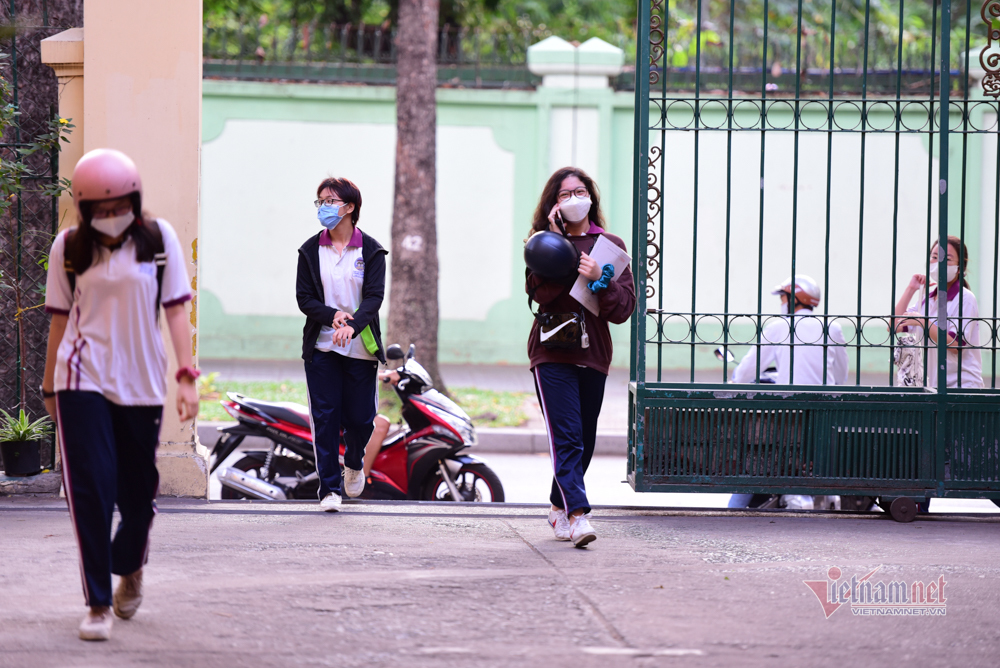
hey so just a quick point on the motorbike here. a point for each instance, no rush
(422, 460)
(793, 501)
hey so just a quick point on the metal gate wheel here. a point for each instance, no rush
(903, 509)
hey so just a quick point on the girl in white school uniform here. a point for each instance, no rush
(105, 373)
(965, 365)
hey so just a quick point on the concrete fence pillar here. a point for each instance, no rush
(136, 87)
(577, 98)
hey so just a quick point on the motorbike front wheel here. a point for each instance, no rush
(475, 482)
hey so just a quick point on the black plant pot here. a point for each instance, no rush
(21, 457)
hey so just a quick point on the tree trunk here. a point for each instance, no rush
(413, 297)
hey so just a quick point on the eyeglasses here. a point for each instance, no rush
(329, 201)
(580, 192)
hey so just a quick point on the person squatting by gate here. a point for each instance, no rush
(569, 347)
(340, 285)
(105, 373)
(817, 356)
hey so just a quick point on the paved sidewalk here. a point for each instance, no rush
(382, 584)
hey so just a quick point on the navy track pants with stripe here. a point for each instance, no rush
(108, 459)
(570, 397)
(343, 392)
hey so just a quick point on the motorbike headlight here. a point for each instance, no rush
(463, 427)
(419, 372)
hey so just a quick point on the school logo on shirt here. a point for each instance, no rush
(359, 268)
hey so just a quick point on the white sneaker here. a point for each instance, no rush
(97, 624)
(128, 595)
(330, 503)
(354, 482)
(559, 524)
(580, 531)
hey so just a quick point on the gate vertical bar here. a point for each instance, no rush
(643, 73)
(729, 194)
(942, 303)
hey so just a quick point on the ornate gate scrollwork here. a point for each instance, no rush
(991, 61)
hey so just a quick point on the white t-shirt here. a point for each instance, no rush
(972, 361)
(343, 276)
(775, 351)
(113, 343)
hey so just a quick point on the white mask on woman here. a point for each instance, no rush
(933, 273)
(575, 208)
(113, 226)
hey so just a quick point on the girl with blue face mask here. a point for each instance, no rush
(340, 285)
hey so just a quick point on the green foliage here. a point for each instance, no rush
(22, 429)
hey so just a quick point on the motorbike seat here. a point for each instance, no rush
(289, 412)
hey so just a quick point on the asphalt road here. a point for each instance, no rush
(259, 585)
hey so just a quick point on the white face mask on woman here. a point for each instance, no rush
(113, 226)
(575, 208)
(933, 273)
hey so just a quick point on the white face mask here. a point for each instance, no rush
(933, 273)
(113, 226)
(575, 209)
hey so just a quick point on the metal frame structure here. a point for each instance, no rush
(695, 433)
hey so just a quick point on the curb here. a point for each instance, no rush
(504, 440)
(43, 483)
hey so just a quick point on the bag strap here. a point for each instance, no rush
(159, 259)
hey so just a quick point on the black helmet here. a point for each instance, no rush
(551, 255)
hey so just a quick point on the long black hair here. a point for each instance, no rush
(82, 246)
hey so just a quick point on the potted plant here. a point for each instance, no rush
(20, 442)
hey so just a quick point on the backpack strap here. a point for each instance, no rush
(70, 274)
(159, 259)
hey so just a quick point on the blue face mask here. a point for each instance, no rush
(329, 216)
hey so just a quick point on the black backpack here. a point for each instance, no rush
(159, 259)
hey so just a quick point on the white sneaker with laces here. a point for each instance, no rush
(354, 482)
(97, 624)
(330, 503)
(559, 524)
(580, 531)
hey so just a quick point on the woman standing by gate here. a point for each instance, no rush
(965, 365)
(570, 374)
(340, 286)
(105, 373)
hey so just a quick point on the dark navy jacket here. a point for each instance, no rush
(309, 293)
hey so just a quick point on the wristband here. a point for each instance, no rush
(188, 371)
(46, 395)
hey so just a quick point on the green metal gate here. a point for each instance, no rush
(836, 142)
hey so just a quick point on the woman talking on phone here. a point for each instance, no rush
(570, 360)
(105, 373)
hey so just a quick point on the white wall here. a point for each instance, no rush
(259, 183)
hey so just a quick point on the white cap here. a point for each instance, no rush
(803, 284)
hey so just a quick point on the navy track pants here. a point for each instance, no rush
(343, 392)
(108, 459)
(570, 397)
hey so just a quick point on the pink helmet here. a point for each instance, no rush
(105, 173)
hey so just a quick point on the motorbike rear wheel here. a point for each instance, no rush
(250, 466)
(475, 482)
(282, 466)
